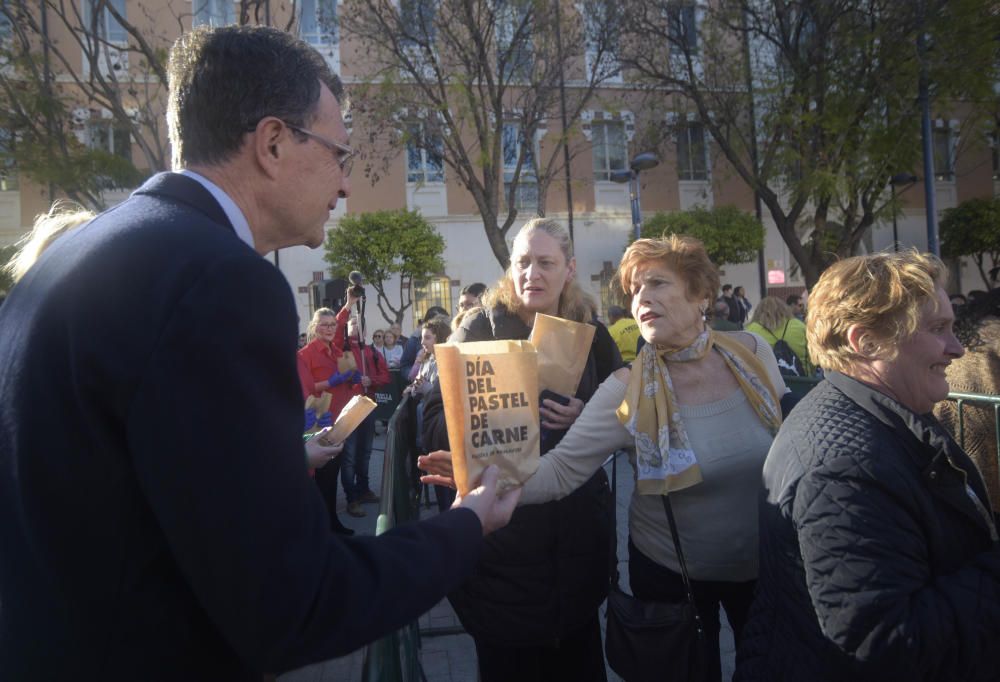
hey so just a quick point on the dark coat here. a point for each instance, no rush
(156, 518)
(875, 561)
(545, 574)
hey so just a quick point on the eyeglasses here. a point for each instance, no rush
(326, 325)
(376, 336)
(343, 153)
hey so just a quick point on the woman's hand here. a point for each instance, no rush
(421, 355)
(560, 417)
(438, 468)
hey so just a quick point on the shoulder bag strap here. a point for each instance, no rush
(613, 545)
(785, 329)
(680, 559)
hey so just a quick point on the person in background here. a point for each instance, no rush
(425, 373)
(156, 517)
(878, 547)
(377, 341)
(303, 340)
(471, 297)
(397, 330)
(320, 359)
(413, 344)
(794, 302)
(372, 372)
(624, 331)
(532, 607)
(773, 321)
(978, 371)
(700, 408)
(720, 317)
(61, 217)
(727, 298)
(391, 351)
(742, 307)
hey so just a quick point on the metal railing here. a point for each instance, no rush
(802, 385)
(395, 657)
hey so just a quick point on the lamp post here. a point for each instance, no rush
(904, 179)
(640, 162)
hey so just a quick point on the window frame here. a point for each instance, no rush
(604, 174)
(688, 172)
(324, 35)
(423, 175)
(526, 193)
(440, 286)
(209, 8)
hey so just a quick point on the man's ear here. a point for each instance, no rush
(269, 142)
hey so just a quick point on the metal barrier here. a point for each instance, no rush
(396, 657)
(802, 385)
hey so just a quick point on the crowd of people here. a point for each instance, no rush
(167, 523)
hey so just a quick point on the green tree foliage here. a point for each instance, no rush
(814, 103)
(382, 245)
(729, 234)
(973, 229)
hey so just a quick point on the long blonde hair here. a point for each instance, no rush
(61, 218)
(574, 303)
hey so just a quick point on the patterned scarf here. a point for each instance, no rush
(666, 462)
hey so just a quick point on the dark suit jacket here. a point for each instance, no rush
(156, 519)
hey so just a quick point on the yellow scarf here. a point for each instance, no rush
(665, 461)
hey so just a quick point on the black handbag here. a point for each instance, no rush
(649, 641)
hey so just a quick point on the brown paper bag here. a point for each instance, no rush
(346, 362)
(350, 418)
(563, 348)
(490, 394)
(320, 404)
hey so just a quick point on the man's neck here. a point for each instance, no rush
(237, 188)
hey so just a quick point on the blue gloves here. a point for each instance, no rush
(356, 377)
(310, 419)
(337, 378)
(325, 420)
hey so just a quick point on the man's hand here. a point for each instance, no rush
(438, 467)
(317, 454)
(366, 381)
(559, 417)
(492, 509)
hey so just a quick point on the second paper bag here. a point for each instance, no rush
(490, 394)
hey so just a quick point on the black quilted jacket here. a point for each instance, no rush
(876, 562)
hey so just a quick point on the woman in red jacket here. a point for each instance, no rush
(319, 360)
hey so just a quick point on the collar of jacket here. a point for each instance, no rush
(947, 470)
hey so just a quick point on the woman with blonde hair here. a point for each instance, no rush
(879, 551)
(319, 373)
(773, 320)
(532, 605)
(701, 408)
(61, 218)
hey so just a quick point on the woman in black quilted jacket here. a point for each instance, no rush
(879, 557)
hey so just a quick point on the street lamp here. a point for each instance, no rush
(904, 179)
(640, 162)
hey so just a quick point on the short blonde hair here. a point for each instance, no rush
(883, 293)
(61, 218)
(681, 253)
(574, 303)
(771, 313)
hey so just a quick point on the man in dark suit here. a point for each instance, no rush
(156, 519)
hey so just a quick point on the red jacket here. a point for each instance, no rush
(374, 367)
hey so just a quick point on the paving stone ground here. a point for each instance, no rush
(452, 657)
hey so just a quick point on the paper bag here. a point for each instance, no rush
(354, 412)
(346, 362)
(320, 404)
(490, 394)
(563, 348)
